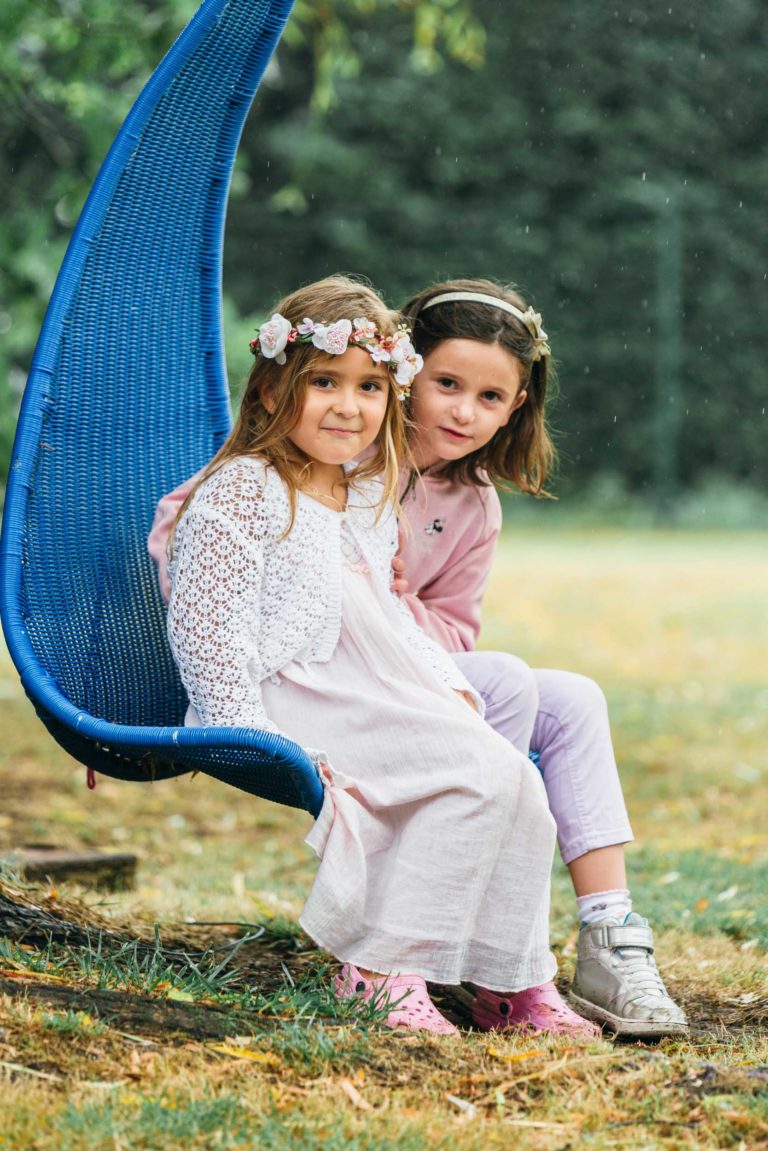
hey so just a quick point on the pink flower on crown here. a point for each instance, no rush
(273, 337)
(381, 351)
(364, 330)
(333, 338)
(306, 327)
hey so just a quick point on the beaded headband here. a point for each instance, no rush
(531, 319)
(397, 351)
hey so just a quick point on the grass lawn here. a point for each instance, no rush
(129, 1050)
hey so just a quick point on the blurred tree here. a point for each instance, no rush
(535, 171)
(69, 72)
(374, 148)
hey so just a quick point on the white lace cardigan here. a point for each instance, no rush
(245, 601)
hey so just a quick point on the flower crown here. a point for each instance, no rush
(397, 351)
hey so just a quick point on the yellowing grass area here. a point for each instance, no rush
(102, 1048)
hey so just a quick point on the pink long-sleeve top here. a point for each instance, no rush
(448, 539)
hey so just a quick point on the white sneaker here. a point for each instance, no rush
(617, 982)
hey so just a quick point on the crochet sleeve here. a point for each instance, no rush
(215, 606)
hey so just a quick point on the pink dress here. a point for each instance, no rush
(435, 842)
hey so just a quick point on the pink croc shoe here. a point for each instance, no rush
(535, 1009)
(412, 1008)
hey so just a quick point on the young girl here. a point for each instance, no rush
(478, 407)
(435, 838)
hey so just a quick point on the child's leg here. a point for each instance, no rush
(573, 737)
(572, 734)
(510, 692)
(565, 718)
(617, 981)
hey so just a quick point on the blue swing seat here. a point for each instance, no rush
(127, 396)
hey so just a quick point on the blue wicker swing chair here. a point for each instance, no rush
(127, 396)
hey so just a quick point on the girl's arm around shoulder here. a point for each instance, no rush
(157, 542)
(448, 606)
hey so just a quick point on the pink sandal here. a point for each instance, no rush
(535, 1009)
(413, 1009)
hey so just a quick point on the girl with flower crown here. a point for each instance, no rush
(434, 839)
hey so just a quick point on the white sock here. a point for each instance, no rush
(615, 904)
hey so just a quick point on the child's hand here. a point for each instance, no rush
(399, 583)
(468, 697)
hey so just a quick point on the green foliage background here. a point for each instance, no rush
(412, 139)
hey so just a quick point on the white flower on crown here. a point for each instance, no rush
(365, 329)
(273, 337)
(379, 354)
(332, 338)
(409, 362)
(306, 327)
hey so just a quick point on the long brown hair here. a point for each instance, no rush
(521, 453)
(266, 434)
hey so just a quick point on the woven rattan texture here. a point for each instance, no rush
(126, 396)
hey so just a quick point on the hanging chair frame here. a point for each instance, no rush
(256, 761)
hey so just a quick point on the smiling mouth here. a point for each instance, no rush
(343, 432)
(455, 435)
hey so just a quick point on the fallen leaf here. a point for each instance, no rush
(539, 1125)
(467, 1109)
(180, 996)
(264, 1057)
(354, 1095)
(516, 1057)
(141, 1063)
(37, 976)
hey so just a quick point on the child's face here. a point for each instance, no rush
(465, 392)
(344, 407)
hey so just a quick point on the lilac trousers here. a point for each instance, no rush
(564, 717)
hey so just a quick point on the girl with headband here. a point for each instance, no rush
(478, 406)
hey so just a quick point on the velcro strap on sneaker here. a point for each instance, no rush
(628, 935)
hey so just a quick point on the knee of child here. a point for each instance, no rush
(511, 784)
(512, 678)
(496, 786)
(581, 696)
(591, 695)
